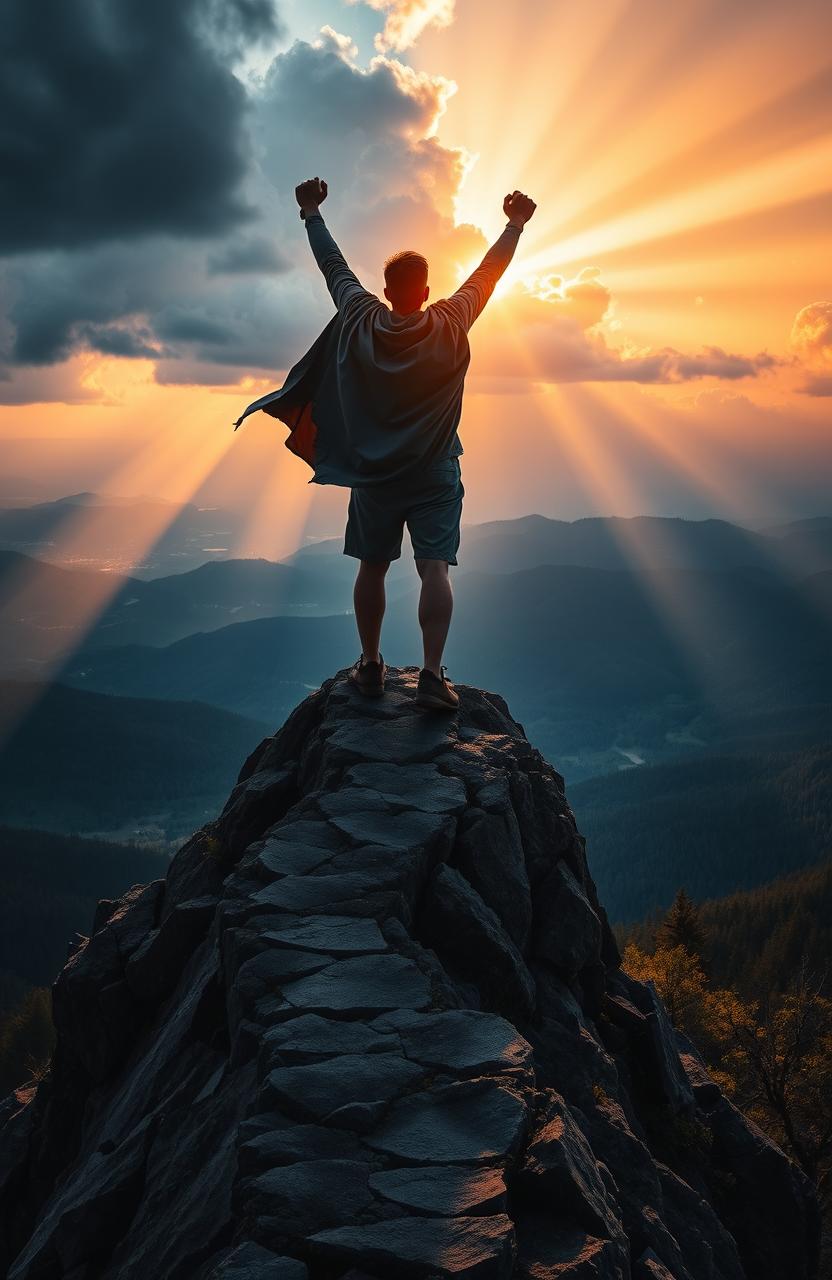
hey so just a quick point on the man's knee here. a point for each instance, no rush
(431, 568)
(375, 567)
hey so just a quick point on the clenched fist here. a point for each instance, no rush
(518, 207)
(310, 194)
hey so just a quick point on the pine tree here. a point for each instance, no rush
(682, 927)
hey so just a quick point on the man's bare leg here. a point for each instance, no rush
(436, 602)
(369, 601)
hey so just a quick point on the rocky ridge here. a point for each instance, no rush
(373, 1024)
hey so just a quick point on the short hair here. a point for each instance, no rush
(406, 272)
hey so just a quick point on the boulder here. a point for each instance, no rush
(472, 1123)
(469, 938)
(250, 1261)
(559, 1168)
(440, 1191)
(490, 856)
(481, 1248)
(567, 930)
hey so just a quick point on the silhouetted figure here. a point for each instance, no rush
(374, 405)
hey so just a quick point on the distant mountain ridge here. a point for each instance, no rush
(40, 601)
(589, 656)
(716, 824)
(153, 535)
(637, 542)
(83, 761)
(141, 531)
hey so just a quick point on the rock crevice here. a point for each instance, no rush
(373, 1024)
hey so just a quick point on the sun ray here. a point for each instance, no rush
(185, 449)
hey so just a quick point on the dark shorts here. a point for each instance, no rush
(430, 505)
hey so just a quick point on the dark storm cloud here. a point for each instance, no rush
(190, 326)
(241, 303)
(154, 295)
(122, 118)
(115, 340)
(255, 256)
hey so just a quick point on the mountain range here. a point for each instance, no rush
(595, 661)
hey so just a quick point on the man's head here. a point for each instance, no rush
(406, 281)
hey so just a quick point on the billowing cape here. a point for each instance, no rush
(293, 402)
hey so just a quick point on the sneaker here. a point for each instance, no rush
(436, 691)
(368, 677)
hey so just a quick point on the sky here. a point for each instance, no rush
(661, 343)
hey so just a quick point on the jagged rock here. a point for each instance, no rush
(441, 1191)
(361, 985)
(251, 1261)
(472, 1123)
(481, 1248)
(650, 1267)
(460, 1040)
(272, 859)
(373, 1025)
(315, 1090)
(560, 1168)
(252, 803)
(309, 1038)
(337, 935)
(89, 1215)
(154, 967)
(490, 854)
(655, 1044)
(287, 1144)
(569, 932)
(93, 1009)
(708, 1245)
(297, 1200)
(187, 1166)
(330, 893)
(548, 1247)
(469, 938)
(418, 786)
(704, 1087)
(765, 1191)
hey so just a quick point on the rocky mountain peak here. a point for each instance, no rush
(373, 1023)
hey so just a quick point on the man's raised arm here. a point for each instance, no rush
(343, 285)
(471, 296)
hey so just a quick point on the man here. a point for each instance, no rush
(374, 405)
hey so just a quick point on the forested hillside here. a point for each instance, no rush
(83, 762)
(755, 940)
(49, 885)
(714, 824)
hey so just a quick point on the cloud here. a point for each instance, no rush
(123, 119)
(583, 299)
(248, 299)
(252, 302)
(407, 19)
(811, 342)
(818, 386)
(368, 131)
(549, 340)
(254, 256)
